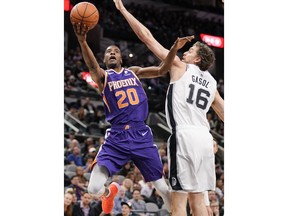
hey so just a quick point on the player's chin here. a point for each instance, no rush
(112, 65)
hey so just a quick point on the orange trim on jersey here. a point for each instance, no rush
(106, 103)
(105, 81)
(134, 75)
(93, 164)
(138, 80)
(104, 97)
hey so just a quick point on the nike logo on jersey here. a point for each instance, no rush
(143, 134)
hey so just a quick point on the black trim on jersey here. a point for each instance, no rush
(173, 179)
(170, 108)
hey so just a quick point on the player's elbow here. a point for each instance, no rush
(162, 71)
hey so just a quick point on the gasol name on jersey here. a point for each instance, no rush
(200, 81)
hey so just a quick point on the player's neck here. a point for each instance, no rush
(117, 69)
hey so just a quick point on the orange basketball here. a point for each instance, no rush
(85, 12)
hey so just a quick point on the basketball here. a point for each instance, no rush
(86, 13)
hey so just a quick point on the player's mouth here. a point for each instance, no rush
(112, 58)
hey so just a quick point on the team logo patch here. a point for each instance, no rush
(174, 181)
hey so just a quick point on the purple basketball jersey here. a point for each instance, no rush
(124, 97)
(129, 138)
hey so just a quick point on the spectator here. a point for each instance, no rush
(81, 115)
(131, 176)
(68, 205)
(80, 173)
(219, 188)
(75, 157)
(71, 137)
(119, 199)
(76, 187)
(72, 144)
(91, 109)
(88, 143)
(84, 207)
(213, 196)
(89, 161)
(126, 210)
(72, 84)
(215, 208)
(128, 185)
(137, 202)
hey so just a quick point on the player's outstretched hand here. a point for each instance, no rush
(180, 42)
(80, 30)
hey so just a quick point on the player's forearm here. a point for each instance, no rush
(140, 30)
(92, 64)
(149, 72)
(144, 34)
(88, 56)
(168, 61)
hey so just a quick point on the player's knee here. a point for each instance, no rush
(161, 186)
(96, 189)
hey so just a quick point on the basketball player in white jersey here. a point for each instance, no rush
(192, 91)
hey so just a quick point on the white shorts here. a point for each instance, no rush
(191, 159)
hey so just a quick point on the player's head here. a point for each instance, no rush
(201, 55)
(112, 57)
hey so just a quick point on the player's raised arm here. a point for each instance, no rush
(97, 73)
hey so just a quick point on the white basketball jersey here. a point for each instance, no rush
(189, 98)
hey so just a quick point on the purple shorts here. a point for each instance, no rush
(131, 142)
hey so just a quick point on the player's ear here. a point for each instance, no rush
(197, 59)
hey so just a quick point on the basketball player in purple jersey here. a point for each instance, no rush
(129, 138)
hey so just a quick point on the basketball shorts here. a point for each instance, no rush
(131, 142)
(191, 159)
